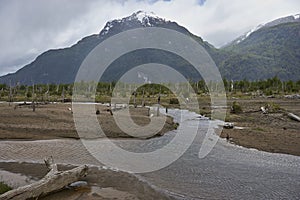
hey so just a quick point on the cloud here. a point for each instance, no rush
(31, 27)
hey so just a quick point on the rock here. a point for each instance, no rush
(78, 184)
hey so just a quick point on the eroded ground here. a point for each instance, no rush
(272, 132)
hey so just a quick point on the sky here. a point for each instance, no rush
(31, 27)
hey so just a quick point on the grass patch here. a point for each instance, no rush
(4, 188)
(259, 129)
(273, 107)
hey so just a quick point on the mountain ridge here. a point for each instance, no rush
(235, 61)
(282, 20)
(276, 47)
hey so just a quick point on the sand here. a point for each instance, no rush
(272, 132)
(54, 121)
(101, 184)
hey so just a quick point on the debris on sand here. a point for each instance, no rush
(294, 117)
(228, 125)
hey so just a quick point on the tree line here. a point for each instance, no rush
(62, 92)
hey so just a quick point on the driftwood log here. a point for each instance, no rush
(53, 181)
(294, 117)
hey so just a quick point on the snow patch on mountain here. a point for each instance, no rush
(253, 30)
(292, 18)
(142, 16)
(243, 37)
(146, 19)
(108, 26)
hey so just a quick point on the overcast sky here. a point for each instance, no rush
(31, 27)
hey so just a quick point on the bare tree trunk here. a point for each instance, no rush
(33, 98)
(10, 93)
(63, 94)
(158, 102)
(158, 105)
(143, 101)
(26, 92)
(134, 98)
(294, 117)
(53, 181)
(33, 106)
(47, 95)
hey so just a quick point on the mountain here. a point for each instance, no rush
(272, 49)
(268, 50)
(283, 20)
(61, 65)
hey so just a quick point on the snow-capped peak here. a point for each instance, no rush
(145, 19)
(107, 27)
(292, 18)
(141, 15)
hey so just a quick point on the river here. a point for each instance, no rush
(227, 172)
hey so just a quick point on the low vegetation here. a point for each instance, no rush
(236, 108)
(4, 188)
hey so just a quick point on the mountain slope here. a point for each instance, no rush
(267, 52)
(60, 66)
(283, 20)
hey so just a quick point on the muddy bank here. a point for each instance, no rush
(102, 183)
(272, 132)
(54, 121)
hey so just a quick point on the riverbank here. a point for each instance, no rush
(227, 172)
(101, 183)
(272, 131)
(54, 121)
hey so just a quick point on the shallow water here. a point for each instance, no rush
(231, 172)
(227, 172)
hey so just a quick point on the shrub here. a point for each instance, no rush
(273, 107)
(236, 108)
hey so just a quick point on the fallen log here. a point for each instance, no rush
(294, 117)
(53, 181)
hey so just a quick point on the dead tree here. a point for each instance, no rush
(10, 93)
(53, 181)
(134, 98)
(63, 94)
(47, 94)
(158, 105)
(1, 92)
(158, 102)
(33, 98)
(143, 100)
